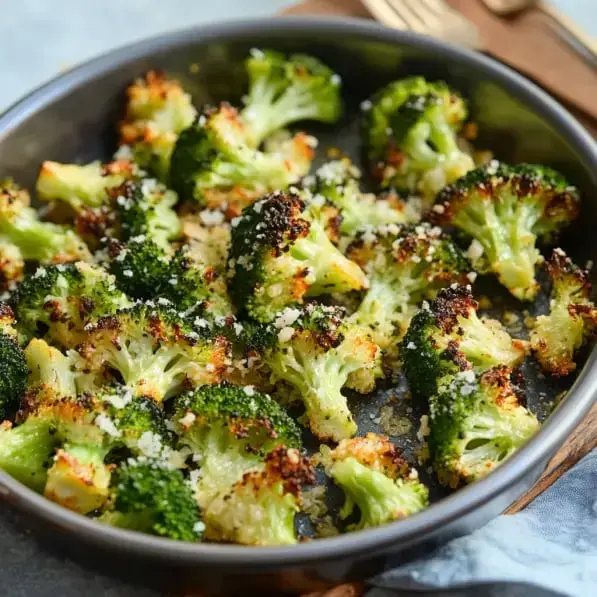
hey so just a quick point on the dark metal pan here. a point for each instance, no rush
(73, 117)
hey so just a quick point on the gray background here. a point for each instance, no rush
(38, 39)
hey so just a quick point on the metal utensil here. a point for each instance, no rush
(430, 17)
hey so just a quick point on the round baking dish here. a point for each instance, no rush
(72, 118)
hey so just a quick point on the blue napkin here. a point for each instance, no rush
(550, 548)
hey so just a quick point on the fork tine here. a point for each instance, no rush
(431, 17)
(426, 15)
(408, 15)
(439, 7)
(386, 14)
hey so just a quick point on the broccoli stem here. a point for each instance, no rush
(38, 241)
(331, 270)
(504, 228)
(487, 344)
(48, 367)
(253, 517)
(384, 307)
(25, 451)
(224, 461)
(79, 479)
(379, 498)
(319, 380)
(147, 371)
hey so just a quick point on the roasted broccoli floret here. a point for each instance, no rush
(213, 164)
(36, 240)
(157, 111)
(58, 301)
(280, 254)
(476, 423)
(404, 265)
(194, 288)
(230, 429)
(338, 182)
(284, 90)
(86, 186)
(411, 131)
(153, 498)
(77, 477)
(86, 428)
(146, 209)
(375, 479)
(139, 266)
(506, 210)
(13, 366)
(572, 318)
(259, 509)
(448, 336)
(318, 353)
(153, 351)
(12, 265)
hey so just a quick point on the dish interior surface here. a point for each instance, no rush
(74, 120)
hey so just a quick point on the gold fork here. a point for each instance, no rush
(430, 17)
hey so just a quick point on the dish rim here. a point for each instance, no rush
(552, 434)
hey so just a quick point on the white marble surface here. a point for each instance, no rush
(40, 37)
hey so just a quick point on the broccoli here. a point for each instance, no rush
(476, 423)
(140, 422)
(77, 478)
(259, 509)
(57, 301)
(284, 90)
(87, 428)
(36, 240)
(230, 429)
(572, 318)
(280, 254)
(155, 353)
(506, 210)
(145, 209)
(404, 265)
(51, 373)
(12, 265)
(318, 353)
(213, 164)
(194, 288)
(26, 450)
(338, 182)
(139, 266)
(375, 479)
(208, 245)
(152, 497)
(448, 336)
(410, 130)
(157, 111)
(84, 186)
(13, 365)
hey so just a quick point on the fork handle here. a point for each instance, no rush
(566, 23)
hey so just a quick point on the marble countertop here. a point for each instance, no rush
(39, 38)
